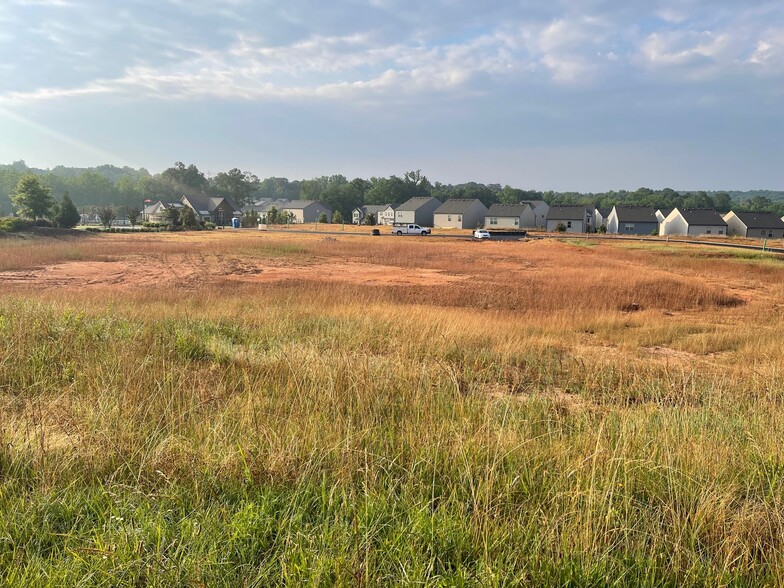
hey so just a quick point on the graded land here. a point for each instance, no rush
(238, 408)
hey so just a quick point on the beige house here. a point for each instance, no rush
(218, 209)
(361, 213)
(510, 216)
(762, 225)
(460, 213)
(306, 211)
(387, 215)
(157, 212)
(418, 210)
(693, 223)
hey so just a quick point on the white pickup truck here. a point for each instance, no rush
(405, 229)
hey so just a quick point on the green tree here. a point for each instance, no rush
(180, 178)
(188, 217)
(272, 215)
(107, 215)
(173, 216)
(250, 219)
(31, 198)
(236, 184)
(133, 215)
(371, 219)
(322, 217)
(67, 214)
(337, 218)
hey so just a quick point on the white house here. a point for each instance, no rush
(575, 219)
(693, 223)
(632, 220)
(387, 215)
(460, 213)
(360, 213)
(600, 216)
(763, 225)
(510, 216)
(662, 213)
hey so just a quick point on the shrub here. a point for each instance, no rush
(42, 222)
(209, 225)
(12, 224)
(560, 227)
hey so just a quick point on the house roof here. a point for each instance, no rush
(604, 212)
(301, 204)
(413, 204)
(567, 213)
(535, 203)
(760, 220)
(206, 204)
(457, 205)
(636, 214)
(665, 211)
(372, 208)
(702, 216)
(508, 210)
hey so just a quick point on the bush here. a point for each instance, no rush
(12, 224)
(560, 227)
(209, 225)
(42, 222)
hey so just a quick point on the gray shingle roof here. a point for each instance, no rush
(605, 212)
(301, 204)
(508, 210)
(416, 203)
(702, 216)
(760, 220)
(567, 213)
(636, 214)
(457, 205)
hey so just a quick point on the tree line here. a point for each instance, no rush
(109, 186)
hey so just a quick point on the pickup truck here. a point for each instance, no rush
(403, 229)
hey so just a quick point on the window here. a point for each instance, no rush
(460, 218)
(721, 231)
(449, 217)
(493, 220)
(517, 222)
(762, 232)
(708, 232)
(628, 227)
(568, 224)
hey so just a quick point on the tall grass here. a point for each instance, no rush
(275, 435)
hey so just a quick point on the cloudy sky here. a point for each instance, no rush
(566, 94)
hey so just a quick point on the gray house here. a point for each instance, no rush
(632, 220)
(510, 216)
(360, 213)
(575, 219)
(307, 211)
(763, 225)
(540, 208)
(219, 210)
(418, 210)
(263, 206)
(460, 213)
(693, 222)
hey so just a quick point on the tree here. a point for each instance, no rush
(371, 219)
(337, 218)
(272, 215)
(179, 179)
(107, 215)
(237, 184)
(173, 216)
(133, 215)
(67, 214)
(322, 217)
(188, 217)
(31, 198)
(250, 219)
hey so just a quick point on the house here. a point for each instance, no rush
(575, 219)
(157, 212)
(510, 216)
(460, 213)
(632, 220)
(662, 213)
(418, 210)
(360, 213)
(540, 208)
(693, 222)
(307, 211)
(600, 216)
(218, 209)
(765, 225)
(263, 206)
(387, 216)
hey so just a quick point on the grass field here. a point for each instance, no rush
(248, 409)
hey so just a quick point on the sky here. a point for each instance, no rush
(585, 95)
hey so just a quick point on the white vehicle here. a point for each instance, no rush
(481, 234)
(404, 229)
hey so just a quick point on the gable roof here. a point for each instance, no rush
(301, 204)
(702, 216)
(372, 208)
(508, 210)
(665, 212)
(568, 213)
(458, 205)
(760, 220)
(636, 214)
(604, 212)
(413, 204)
(207, 204)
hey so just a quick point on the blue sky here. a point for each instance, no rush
(568, 95)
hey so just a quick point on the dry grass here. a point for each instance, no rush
(515, 426)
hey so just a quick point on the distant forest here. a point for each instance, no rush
(108, 185)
